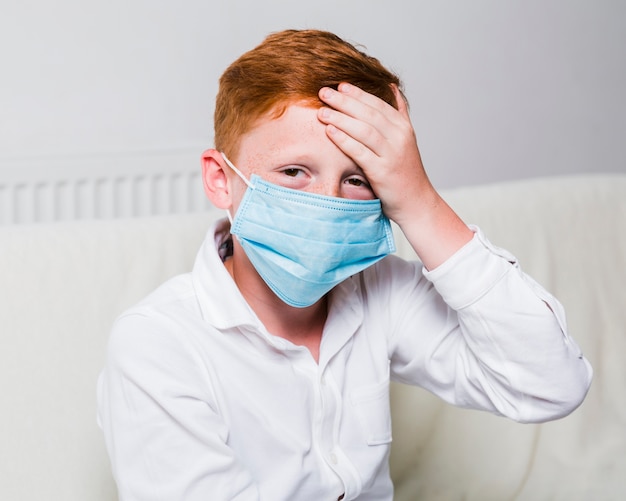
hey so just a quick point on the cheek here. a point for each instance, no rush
(238, 190)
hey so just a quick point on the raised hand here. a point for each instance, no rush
(381, 140)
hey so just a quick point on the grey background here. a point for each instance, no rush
(498, 89)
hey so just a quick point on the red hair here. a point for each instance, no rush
(287, 67)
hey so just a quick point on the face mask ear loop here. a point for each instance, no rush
(239, 173)
(236, 170)
(230, 218)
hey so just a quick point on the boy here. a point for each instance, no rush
(264, 373)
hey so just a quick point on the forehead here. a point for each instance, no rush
(293, 134)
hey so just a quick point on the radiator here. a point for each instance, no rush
(104, 186)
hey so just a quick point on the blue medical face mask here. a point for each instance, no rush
(303, 244)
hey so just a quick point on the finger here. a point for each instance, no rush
(352, 91)
(362, 155)
(354, 102)
(403, 105)
(368, 134)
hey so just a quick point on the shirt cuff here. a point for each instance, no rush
(470, 272)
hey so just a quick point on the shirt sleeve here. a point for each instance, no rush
(480, 333)
(162, 426)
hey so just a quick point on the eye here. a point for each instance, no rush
(292, 171)
(357, 187)
(358, 182)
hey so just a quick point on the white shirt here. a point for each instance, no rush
(199, 402)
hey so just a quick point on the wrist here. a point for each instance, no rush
(433, 229)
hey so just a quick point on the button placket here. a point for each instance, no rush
(334, 456)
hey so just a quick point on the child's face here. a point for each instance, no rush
(294, 151)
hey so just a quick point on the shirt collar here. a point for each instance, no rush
(221, 303)
(224, 307)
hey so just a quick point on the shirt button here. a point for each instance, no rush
(333, 458)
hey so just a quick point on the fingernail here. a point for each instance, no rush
(345, 88)
(325, 113)
(326, 93)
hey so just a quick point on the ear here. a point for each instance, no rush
(215, 180)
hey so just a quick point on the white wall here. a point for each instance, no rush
(499, 89)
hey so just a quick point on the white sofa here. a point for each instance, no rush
(61, 286)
